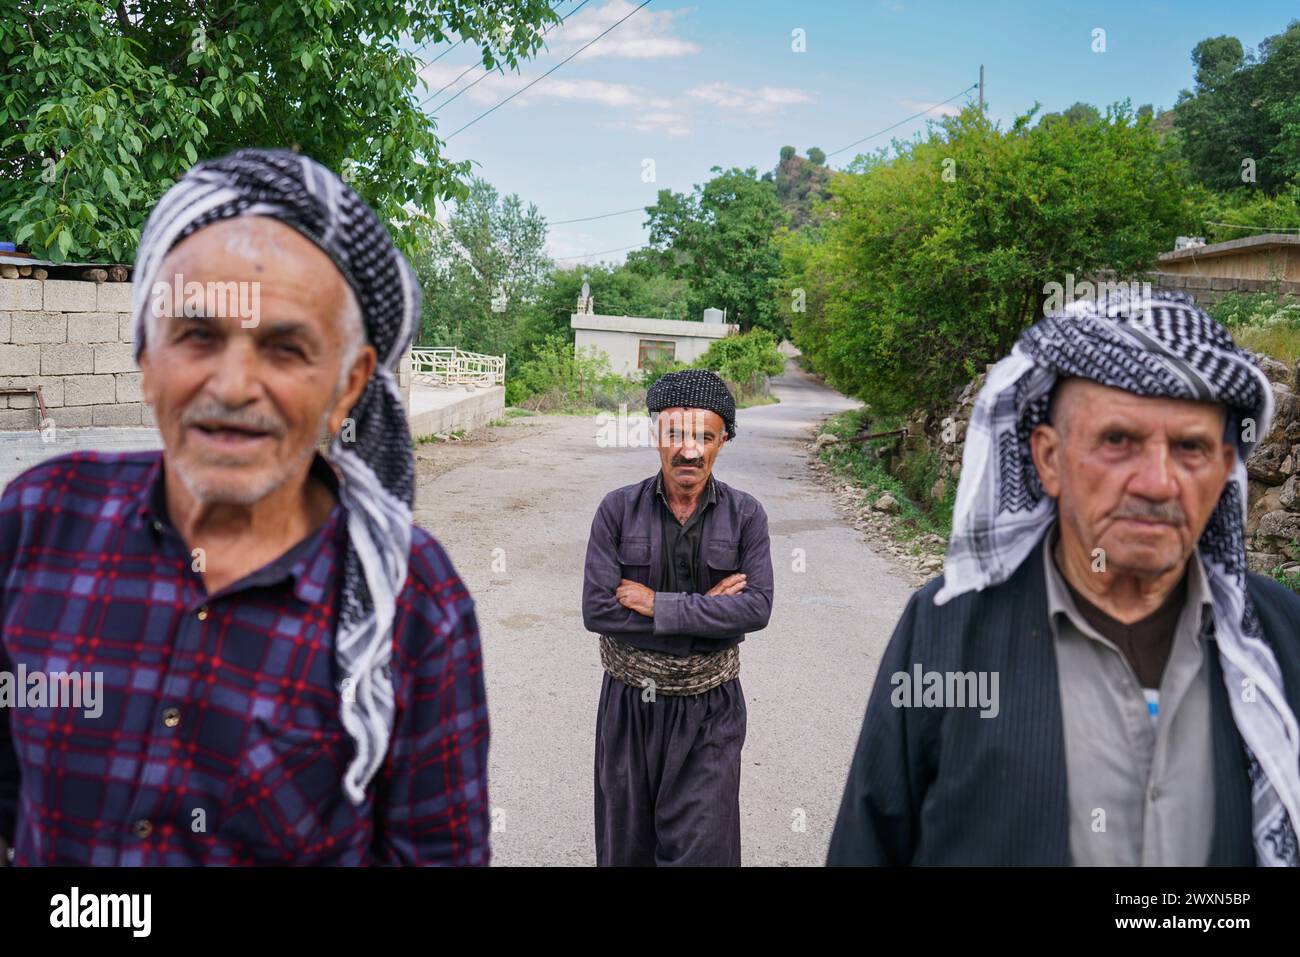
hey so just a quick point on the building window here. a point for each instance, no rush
(653, 351)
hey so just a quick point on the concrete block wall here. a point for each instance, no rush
(469, 411)
(1208, 290)
(73, 339)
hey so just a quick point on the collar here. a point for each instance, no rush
(1060, 602)
(149, 509)
(710, 491)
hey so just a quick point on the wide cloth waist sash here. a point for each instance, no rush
(668, 674)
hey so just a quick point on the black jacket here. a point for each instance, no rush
(945, 786)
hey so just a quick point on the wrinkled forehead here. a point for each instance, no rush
(694, 421)
(1085, 401)
(267, 264)
(260, 240)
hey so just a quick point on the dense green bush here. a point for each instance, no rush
(929, 263)
(1247, 212)
(558, 380)
(1260, 310)
(745, 361)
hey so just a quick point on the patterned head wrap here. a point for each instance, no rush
(694, 389)
(378, 468)
(1159, 346)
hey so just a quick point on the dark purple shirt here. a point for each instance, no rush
(626, 541)
(219, 739)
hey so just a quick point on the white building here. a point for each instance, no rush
(632, 342)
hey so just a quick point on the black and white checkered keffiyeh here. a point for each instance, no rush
(694, 389)
(1159, 346)
(377, 466)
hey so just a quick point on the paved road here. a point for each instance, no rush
(805, 677)
(532, 494)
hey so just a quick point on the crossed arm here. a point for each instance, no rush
(614, 605)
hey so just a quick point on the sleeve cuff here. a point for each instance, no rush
(668, 612)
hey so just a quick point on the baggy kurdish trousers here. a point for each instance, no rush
(668, 776)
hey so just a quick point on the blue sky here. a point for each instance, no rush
(688, 86)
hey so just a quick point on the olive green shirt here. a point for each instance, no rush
(1141, 788)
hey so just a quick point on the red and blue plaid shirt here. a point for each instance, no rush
(219, 738)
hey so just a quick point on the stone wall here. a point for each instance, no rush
(73, 339)
(1208, 290)
(1273, 470)
(1273, 521)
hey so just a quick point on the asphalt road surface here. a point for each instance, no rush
(515, 514)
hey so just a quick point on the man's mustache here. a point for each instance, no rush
(678, 461)
(1169, 512)
(212, 412)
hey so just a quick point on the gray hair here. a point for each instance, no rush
(353, 331)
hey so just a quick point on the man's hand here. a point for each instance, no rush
(731, 585)
(637, 597)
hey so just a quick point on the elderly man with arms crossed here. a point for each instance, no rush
(678, 568)
(291, 669)
(1149, 684)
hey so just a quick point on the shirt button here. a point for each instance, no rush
(1155, 794)
(172, 717)
(143, 829)
(203, 613)
(157, 526)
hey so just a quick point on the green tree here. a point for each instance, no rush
(933, 261)
(482, 272)
(800, 185)
(617, 291)
(720, 240)
(745, 361)
(1077, 113)
(1244, 107)
(104, 105)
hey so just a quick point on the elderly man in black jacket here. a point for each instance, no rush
(1147, 684)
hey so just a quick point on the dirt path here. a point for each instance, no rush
(514, 505)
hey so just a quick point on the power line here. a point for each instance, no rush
(468, 69)
(449, 49)
(587, 219)
(488, 73)
(901, 122)
(440, 55)
(604, 33)
(600, 253)
(636, 209)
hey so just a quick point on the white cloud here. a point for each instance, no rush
(915, 106)
(666, 123)
(485, 91)
(764, 99)
(646, 35)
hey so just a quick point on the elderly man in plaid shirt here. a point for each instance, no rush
(290, 670)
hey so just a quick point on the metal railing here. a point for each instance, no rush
(451, 366)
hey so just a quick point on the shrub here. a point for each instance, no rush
(1259, 310)
(929, 263)
(745, 361)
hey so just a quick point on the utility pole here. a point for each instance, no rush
(981, 89)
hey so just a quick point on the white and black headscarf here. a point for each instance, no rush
(1159, 346)
(377, 466)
